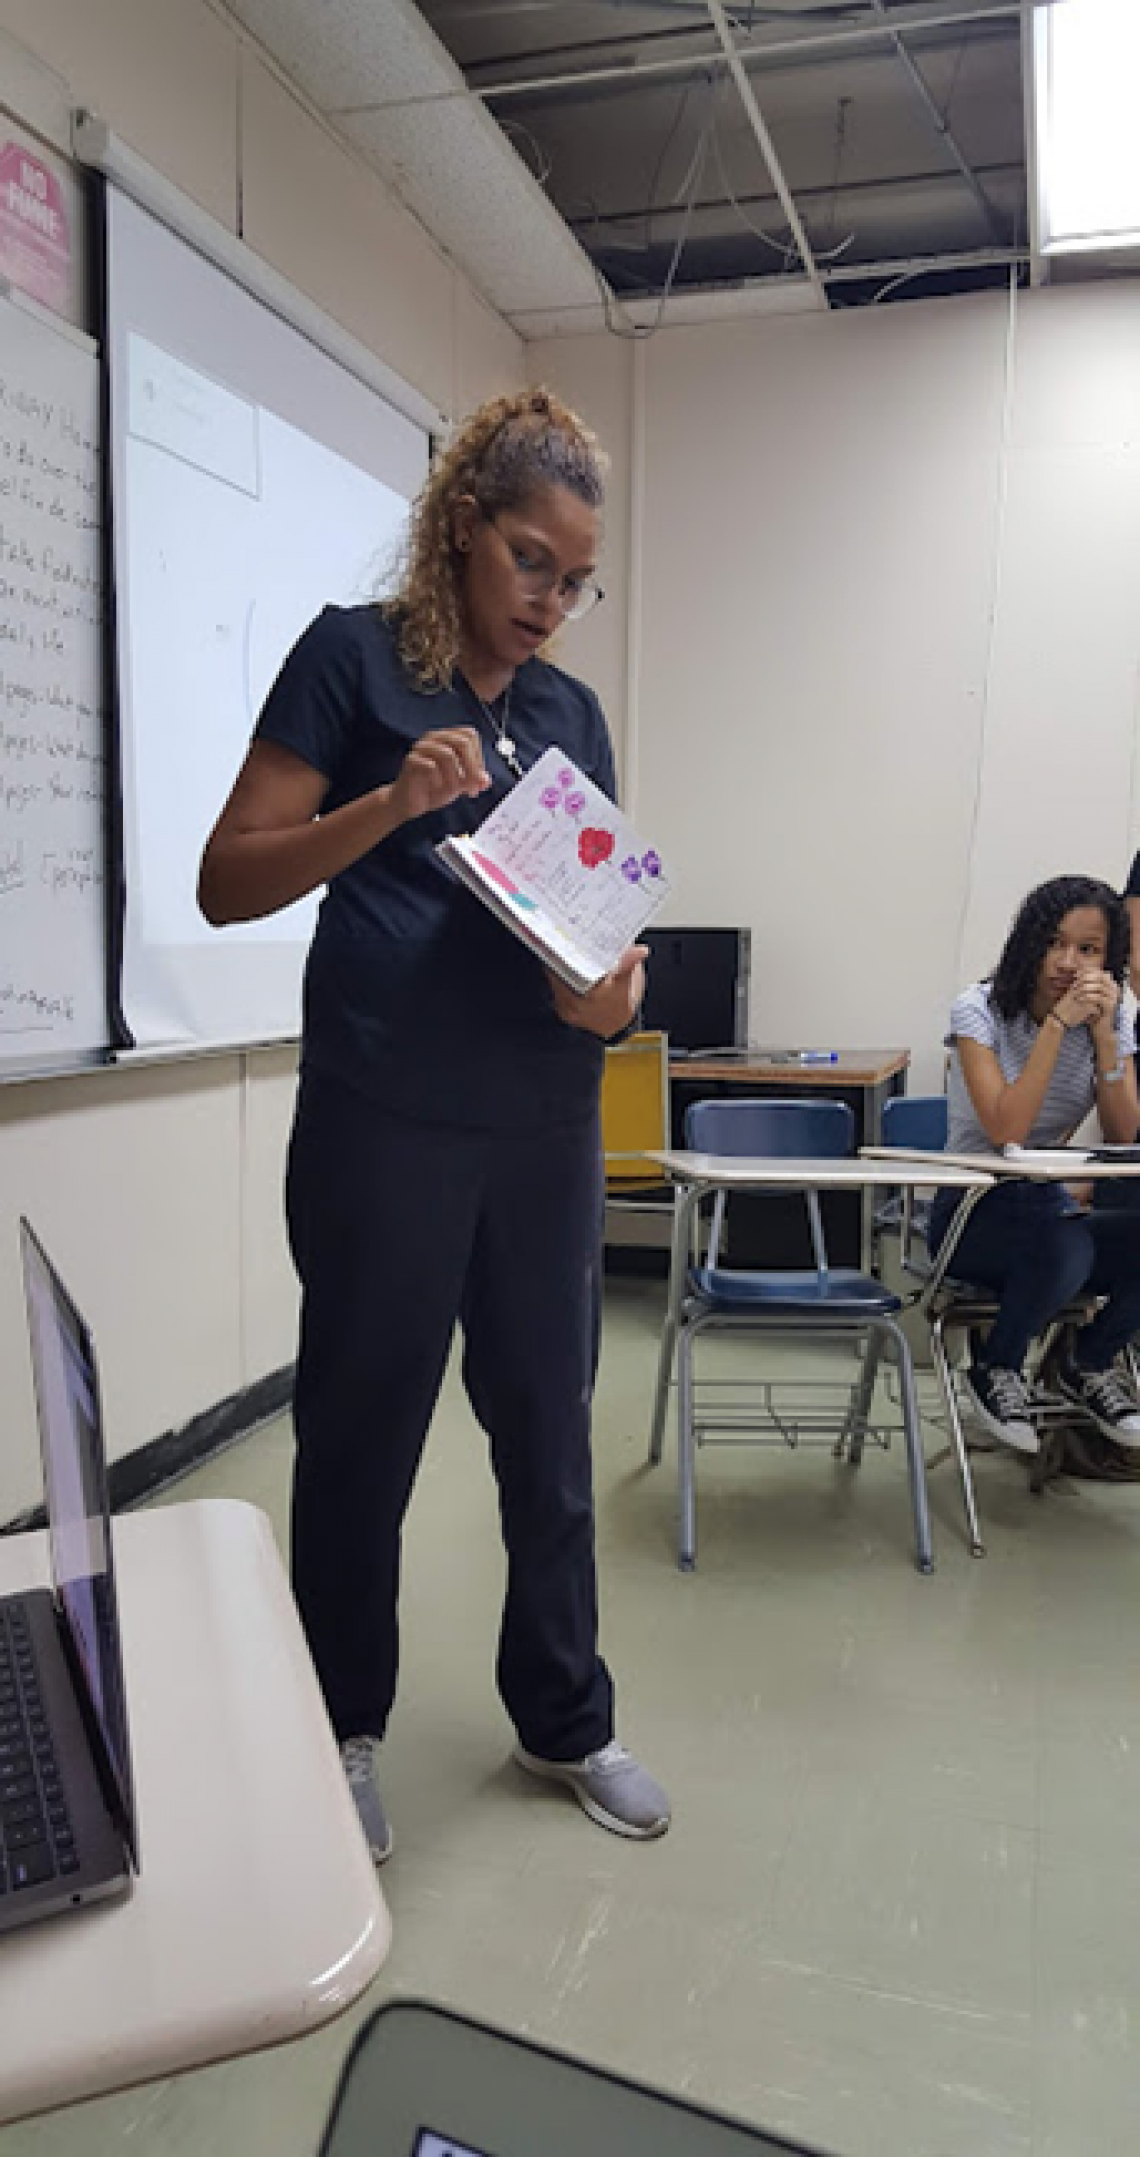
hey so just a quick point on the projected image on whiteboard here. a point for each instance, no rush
(240, 528)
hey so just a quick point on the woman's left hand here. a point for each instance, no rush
(612, 1003)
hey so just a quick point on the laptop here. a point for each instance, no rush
(68, 1830)
(423, 2081)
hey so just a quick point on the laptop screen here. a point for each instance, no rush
(79, 1524)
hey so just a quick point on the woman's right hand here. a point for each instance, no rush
(273, 843)
(438, 769)
(1091, 1000)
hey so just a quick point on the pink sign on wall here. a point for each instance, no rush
(35, 242)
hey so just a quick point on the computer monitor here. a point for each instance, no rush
(697, 986)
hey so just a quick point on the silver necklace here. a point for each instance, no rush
(504, 746)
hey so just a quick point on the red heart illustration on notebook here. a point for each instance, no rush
(594, 846)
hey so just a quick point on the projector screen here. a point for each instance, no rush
(253, 479)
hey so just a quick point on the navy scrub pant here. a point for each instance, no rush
(1038, 1251)
(398, 1230)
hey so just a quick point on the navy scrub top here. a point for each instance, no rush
(414, 993)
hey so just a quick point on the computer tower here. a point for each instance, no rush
(697, 986)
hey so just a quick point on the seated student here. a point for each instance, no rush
(1033, 1049)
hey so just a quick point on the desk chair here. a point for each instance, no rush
(949, 1305)
(822, 1301)
(919, 1121)
(636, 1121)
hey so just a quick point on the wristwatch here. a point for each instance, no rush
(1113, 1077)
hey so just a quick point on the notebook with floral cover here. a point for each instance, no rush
(563, 869)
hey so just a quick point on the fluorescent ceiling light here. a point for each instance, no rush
(1086, 76)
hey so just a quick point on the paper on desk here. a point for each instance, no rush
(1047, 1156)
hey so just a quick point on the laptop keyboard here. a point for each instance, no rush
(36, 1839)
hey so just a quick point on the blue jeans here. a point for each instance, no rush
(1030, 1244)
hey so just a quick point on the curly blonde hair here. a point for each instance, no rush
(500, 455)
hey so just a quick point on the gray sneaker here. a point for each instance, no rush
(358, 1756)
(611, 1786)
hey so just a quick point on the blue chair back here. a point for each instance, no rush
(919, 1120)
(782, 1130)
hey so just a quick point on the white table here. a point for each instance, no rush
(256, 1914)
(698, 1174)
(1046, 1167)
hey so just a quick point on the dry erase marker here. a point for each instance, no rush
(819, 1056)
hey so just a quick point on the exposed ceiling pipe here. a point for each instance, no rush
(756, 121)
(818, 46)
(941, 124)
(853, 196)
(984, 258)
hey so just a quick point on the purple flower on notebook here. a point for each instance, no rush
(550, 798)
(651, 863)
(575, 803)
(631, 869)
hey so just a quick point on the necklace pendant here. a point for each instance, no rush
(506, 748)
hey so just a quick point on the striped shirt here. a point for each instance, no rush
(1071, 1091)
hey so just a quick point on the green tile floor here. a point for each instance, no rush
(898, 1913)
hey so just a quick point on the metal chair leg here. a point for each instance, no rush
(661, 1396)
(912, 1431)
(850, 1439)
(684, 1220)
(686, 1457)
(957, 1435)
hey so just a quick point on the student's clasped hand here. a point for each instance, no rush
(438, 768)
(612, 1003)
(1091, 1001)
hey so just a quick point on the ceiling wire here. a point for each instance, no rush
(959, 57)
(909, 276)
(786, 249)
(543, 165)
(842, 108)
(662, 154)
(933, 268)
(611, 302)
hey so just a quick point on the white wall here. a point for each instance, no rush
(884, 587)
(159, 1191)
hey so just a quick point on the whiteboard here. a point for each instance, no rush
(53, 997)
(254, 478)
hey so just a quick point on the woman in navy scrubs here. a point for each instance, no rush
(445, 1162)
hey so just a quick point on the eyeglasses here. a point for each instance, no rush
(573, 595)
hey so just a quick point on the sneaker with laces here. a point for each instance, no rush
(998, 1401)
(611, 1786)
(358, 1757)
(1103, 1396)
